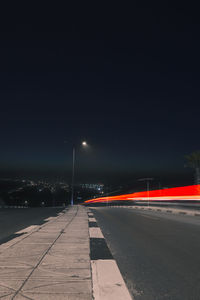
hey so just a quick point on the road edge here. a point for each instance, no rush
(107, 281)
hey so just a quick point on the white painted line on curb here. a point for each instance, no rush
(92, 219)
(107, 281)
(49, 219)
(27, 229)
(95, 232)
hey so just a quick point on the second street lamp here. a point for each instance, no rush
(84, 144)
(147, 181)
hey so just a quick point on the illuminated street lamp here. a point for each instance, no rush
(84, 144)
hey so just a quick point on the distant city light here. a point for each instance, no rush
(84, 143)
(92, 186)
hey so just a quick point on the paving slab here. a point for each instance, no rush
(68, 251)
(62, 274)
(24, 250)
(50, 296)
(70, 246)
(12, 284)
(10, 271)
(56, 286)
(5, 291)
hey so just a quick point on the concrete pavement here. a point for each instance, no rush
(51, 261)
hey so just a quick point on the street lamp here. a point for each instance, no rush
(84, 144)
(147, 180)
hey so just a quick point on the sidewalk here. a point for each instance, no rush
(50, 261)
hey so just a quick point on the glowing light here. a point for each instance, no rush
(84, 143)
(184, 193)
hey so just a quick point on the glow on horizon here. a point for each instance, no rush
(184, 193)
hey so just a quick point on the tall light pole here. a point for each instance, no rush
(73, 171)
(148, 181)
(84, 144)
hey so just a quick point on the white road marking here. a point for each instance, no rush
(95, 232)
(107, 281)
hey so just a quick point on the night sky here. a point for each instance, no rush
(126, 79)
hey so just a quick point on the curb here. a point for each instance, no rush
(107, 280)
(162, 209)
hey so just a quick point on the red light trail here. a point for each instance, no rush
(184, 193)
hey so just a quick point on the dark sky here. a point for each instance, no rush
(126, 79)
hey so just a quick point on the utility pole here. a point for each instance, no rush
(84, 144)
(73, 173)
(148, 183)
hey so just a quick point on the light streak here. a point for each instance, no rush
(184, 193)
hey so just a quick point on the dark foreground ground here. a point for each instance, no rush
(15, 219)
(158, 254)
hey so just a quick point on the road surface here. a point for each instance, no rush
(158, 254)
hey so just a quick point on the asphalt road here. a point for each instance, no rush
(158, 254)
(15, 219)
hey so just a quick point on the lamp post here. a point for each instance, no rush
(84, 144)
(148, 181)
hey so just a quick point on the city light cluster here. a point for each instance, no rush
(185, 193)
